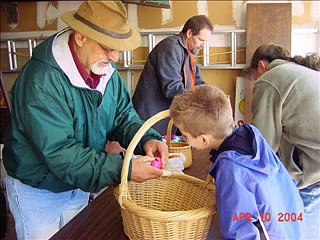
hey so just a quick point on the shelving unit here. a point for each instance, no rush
(231, 39)
(150, 38)
(234, 39)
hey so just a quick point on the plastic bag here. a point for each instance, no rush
(176, 162)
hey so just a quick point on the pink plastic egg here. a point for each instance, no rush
(157, 163)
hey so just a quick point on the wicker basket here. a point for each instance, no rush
(179, 147)
(174, 207)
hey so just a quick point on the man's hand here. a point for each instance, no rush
(113, 147)
(155, 148)
(143, 171)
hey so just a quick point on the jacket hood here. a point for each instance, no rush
(247, 147)
(43, 52)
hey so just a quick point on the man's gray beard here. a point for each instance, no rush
(98, 70)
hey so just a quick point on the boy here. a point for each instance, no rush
(251, 182)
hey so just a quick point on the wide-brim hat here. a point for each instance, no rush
(105, 22)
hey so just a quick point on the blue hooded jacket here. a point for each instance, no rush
(251, 182)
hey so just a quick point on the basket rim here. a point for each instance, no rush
(129, 204)
(183, 147)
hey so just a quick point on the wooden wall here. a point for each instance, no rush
(273, 26)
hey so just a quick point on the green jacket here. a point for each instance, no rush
(286, 109)
(59, 130)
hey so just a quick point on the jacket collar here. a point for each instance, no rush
(241, 140)
(63, 57)
(276, 63)
(182, 40)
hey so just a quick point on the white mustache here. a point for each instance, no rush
(98, 69)
(106, 61)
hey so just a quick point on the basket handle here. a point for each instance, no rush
(123, 187)
(169, 132)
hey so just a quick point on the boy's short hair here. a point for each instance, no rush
(203, 110)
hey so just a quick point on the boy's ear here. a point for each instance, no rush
(205, 139)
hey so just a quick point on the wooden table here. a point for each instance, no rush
(101, 219)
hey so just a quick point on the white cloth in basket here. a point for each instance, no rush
(175, 163)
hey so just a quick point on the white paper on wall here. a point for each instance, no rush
(239, 111)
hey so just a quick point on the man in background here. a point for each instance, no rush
(171, 70)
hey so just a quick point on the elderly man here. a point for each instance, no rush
(171, 70)
(68, 101)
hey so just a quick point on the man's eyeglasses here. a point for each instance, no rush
(107, 50)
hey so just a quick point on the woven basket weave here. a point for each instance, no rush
(174, 207)
(179, 147)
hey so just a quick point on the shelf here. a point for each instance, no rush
(230, 39)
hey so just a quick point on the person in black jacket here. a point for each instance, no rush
(171, 70)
